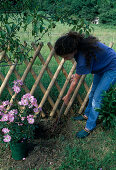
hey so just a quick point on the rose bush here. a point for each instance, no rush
(17, 123)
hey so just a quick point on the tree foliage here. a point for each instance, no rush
(43, 16)
(107, 13)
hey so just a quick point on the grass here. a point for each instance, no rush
(95, 152)
(65, 152)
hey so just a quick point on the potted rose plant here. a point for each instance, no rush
(17, 123)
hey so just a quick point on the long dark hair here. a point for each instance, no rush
(73, 41)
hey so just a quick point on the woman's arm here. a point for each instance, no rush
(74, 80)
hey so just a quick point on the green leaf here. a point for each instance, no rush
(29, 19)
(80, 32)
(8, 28)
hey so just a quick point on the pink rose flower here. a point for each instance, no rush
(7, 138)
(22, 118)
(20, 124)
(11, 118)
(18, 82)
(5, 130)
(24, 102)
(40, 108)
(35, 110)
(30, 116)
(30, 120)
(5, 103)
(16, 89)
(4, 118)
(11, 112)
(34, 102)
(2, 107)
(1, 113)
(15, 111)
(26, 96)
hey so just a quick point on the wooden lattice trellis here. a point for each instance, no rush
(46, 92)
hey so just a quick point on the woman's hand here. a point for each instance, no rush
(74, 80)
(74, 77)
(66, 99)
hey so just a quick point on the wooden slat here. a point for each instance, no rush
(58, 60)
(26, 71)
(17, 75)
(8, 87)
(42, 72)
(7, 77)
(41, 86)
(2, 55)
(47, 68)
(86, 86)
(79, 99)
(74, 94)
(85, 101)
(62, 91)
(31, 62)
(51, 84)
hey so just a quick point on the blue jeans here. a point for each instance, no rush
(100, 83)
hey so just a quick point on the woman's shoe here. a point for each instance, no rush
(83, 133)
(81, 117)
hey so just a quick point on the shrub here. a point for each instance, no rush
(108, 108)
(17, 120)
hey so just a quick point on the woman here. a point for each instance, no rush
(92, 57)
